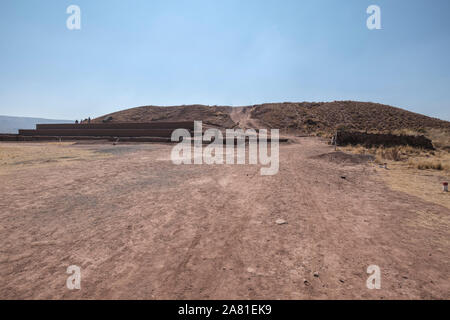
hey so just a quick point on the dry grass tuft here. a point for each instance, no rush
(393, 154)
(400, 153)
(413, 158)
(435, 165)
(420, 164)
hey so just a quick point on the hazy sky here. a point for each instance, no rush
(227, 52)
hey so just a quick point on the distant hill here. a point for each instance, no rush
(215, 116)
(299, 117)
(13, 124)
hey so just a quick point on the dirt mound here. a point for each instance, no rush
(215, 116)
(353, 115)
(303, 117)
(345, 158)
(370, 140)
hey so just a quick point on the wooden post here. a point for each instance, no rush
(335, 141)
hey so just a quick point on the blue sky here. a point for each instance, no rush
(233, 52)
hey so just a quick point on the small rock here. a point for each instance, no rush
(316, 274)
(342, 281)
(250, 269)
(343, 177)
(306, 282)
(280, 221)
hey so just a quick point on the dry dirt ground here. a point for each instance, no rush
(142, 227)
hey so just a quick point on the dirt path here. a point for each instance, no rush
(141, 227)
(242, 117)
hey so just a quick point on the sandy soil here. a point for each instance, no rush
(141, 227)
